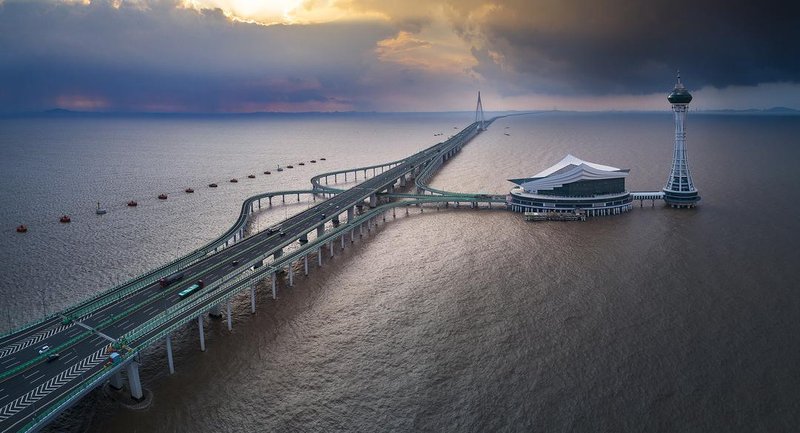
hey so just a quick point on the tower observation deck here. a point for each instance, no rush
(680, 191)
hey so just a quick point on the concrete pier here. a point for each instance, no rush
(116, 380)
(134, 382)
(169, 355)
(202, 335)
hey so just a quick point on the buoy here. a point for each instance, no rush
(22, 228)
(64, 219)
(132, 203)
(189, 190)
(162, 196)
(212, 185)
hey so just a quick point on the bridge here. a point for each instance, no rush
(36, 385)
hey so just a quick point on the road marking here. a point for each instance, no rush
(29, 374)
(33, 381)
(68, 360)
(51, 385)
(16, 347)
(7, 361)
(4, 397)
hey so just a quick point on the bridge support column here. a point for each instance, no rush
(291, 273)
(298, 196)
(319, 256)
(402, 181)
(394, 215)
(305, 264)
(352, 236)
(343, 241)
(169, 355)
(330, 245)
(272, 277)
(202, 335)
(230, 323)
(134, 382)
(283, 198)
(253, 298)
(345, 177)
(361, 230)
(373, 200)
(270, 201)
(214, 311)
(350, 213)
(116, 380)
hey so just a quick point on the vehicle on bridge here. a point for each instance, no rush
(191, 289)
(166, 281)
(274, 229)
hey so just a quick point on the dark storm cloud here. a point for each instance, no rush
(131, 58)
(580, 47)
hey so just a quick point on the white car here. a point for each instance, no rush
(44, 349)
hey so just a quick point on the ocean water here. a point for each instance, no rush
(447, 320)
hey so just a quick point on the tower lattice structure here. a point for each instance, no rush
(680, 191)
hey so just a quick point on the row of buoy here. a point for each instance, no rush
(22, 228)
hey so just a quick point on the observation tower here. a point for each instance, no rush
(680, 191)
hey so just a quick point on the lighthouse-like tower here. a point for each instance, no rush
(680, 191)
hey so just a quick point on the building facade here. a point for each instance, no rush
(573, 185)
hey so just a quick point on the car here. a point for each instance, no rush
(235, 263)
(53, 356)
(282, 233)
(44, 349)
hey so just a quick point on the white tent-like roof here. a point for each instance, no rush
(568, 170)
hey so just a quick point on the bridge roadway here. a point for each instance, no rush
(29, 383)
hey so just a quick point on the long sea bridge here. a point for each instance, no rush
(103, 336)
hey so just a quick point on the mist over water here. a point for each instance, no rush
(449, 320)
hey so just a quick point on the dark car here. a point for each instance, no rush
(53, 356)
(235, 263)
(282, 233)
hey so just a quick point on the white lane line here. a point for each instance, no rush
(4, 397)
(67, 360)
(33, 381)
(7, 361)
(32, 373)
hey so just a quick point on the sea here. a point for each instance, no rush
(447, 320)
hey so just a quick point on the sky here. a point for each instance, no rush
(238, 56)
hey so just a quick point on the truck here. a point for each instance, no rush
(114, 358)
(169, 279)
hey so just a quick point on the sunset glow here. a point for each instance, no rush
(227, 55)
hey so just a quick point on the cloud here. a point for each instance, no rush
(575, 47)
(196, 60)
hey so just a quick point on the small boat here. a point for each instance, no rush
(289, 166)
(234, 180)
(313, 161)
(162, 196)
(322, 159)
(188, 190)
(212, 185)
(279, 168)
(267, 172)
(22, 228)
(506, 133)
(133, 203)
(251, 176)
(99, 210)
(64, 219)
(301, 163)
